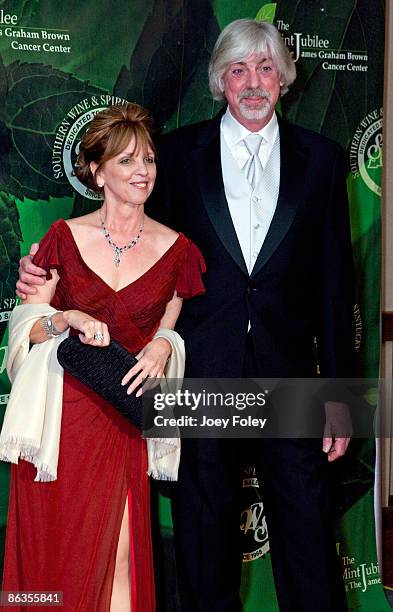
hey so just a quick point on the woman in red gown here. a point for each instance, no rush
(87, 534)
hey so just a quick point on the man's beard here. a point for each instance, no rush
(261, 111)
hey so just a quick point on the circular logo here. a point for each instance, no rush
(366, 151)
(252, 519)
(66, 144)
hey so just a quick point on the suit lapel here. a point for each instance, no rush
(207, 162)
(292, 172)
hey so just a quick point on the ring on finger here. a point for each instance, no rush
(98, 336)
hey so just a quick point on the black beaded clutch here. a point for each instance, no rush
(102, 369)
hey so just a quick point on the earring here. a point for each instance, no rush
(100, 185)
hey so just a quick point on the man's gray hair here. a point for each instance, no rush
(242, 38)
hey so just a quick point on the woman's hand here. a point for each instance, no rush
(151, 364)
(93, 332)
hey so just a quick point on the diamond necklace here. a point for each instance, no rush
(118, 251)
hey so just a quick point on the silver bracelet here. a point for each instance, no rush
(49, 327)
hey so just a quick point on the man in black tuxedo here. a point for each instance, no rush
(266, 203)
(276, 242)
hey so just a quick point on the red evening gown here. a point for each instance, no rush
(63, 535)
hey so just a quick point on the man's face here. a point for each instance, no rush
(252, 88)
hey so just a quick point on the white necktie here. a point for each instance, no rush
(253, 167)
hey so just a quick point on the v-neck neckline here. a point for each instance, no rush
(117, 291)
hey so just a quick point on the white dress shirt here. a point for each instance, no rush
(251, 210)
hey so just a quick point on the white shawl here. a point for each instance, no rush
(31, 427)
(164, 453)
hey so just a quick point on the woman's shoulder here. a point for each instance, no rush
(85, 221)
(160, 229)
(53, 232)
(162, 234)
(51, 246)
(60, 234)
(167, 237)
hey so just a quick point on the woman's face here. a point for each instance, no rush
(129, 177)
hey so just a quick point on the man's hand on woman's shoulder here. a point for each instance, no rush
(29, 274)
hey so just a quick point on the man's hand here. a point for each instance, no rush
(338, 430)
(29, 274)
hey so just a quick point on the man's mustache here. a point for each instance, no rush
(254, 93)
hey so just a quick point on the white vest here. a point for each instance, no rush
(251, 210)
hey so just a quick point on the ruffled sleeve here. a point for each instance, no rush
(189, 281)
(48, 256)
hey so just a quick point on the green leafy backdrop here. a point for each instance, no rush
(156, 53)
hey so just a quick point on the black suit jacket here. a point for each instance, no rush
(301, 286)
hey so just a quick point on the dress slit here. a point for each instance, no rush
(133, 590)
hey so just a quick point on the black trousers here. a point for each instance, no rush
(206, 509)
